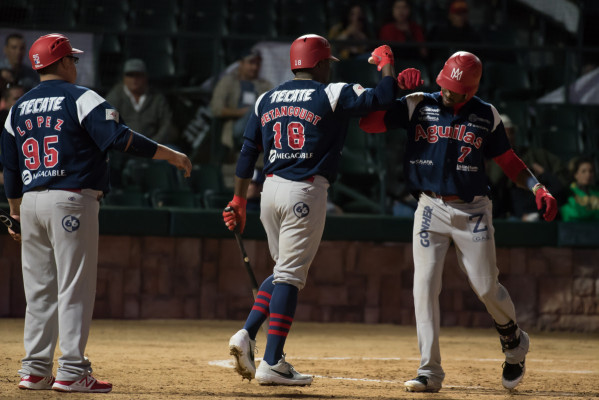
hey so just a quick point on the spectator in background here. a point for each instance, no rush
(456, 29)
(403, 29)
(9, 97)
(21, 74)
(143, 109)
(512, 201)
(232, 101)
(583, 202)
(352, 28)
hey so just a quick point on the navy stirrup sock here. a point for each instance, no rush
(282, 310)
(259, 311)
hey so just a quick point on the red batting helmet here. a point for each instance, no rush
(306, 51)
(461, 73)
(50, 48)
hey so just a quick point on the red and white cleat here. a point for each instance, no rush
(33, 382)
(88, 384)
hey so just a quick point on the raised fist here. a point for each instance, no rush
(381, 56)
(409, 79)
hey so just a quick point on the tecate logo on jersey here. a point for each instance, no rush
(291, 96)
(40, 105)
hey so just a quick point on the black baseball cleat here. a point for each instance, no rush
(421, 384)
(512, 374)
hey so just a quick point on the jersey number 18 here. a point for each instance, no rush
(295, 135)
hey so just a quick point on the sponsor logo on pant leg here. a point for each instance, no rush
(427, 215)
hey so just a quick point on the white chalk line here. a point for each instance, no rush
(231, 364)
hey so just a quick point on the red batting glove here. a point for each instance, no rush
(381, 56)
(235, 218)
(545, 200)
(409, 79)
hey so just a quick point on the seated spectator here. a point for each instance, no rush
(142, 109)
(583, 202)
(354, 28)
(456, 29)
(21, 74)
(232, 101)
(510, 201)
(403, 29)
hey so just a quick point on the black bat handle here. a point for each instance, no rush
(10, 222)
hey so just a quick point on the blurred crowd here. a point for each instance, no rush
(212, 131)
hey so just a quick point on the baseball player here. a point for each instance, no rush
(300, 126)
(54, 150)
(449, 136)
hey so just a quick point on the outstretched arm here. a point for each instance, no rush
(519, 173)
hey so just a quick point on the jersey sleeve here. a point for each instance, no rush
(253, 131)
(497, 143)
(99, 119)
(359, 101)
(13, 186)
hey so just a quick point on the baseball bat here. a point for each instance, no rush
(248, 266)
(246, 260)
(9, 221)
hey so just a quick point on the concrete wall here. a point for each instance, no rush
(167, 277)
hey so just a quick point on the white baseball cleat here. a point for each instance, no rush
(87, 384)
(243, 348)
(33, 382)
(282, 373)
(422, 384)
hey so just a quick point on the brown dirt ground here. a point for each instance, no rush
(188, 359)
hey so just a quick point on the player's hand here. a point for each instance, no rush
(381, 56)
(545, 201)
(234, 214)
(181, 161)
(16, 236)
(409, 79)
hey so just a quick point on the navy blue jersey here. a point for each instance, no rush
(445, 152)
(57, 136)
(301, 124)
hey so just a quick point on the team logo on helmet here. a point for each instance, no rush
(36, 59)
(456, 74)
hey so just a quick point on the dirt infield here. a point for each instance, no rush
(188, 359)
